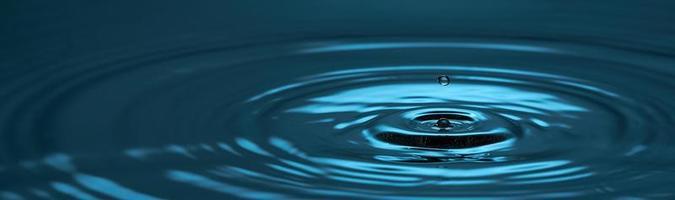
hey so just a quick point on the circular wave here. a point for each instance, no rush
(357, 118)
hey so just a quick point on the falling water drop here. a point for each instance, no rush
(444, 80)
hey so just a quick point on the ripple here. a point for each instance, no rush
(359, 118)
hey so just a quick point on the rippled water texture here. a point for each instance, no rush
(346, 118)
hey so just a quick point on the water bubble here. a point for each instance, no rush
(444, 80)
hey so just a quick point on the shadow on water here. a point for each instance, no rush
(441, 141)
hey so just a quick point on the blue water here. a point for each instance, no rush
(337, 100)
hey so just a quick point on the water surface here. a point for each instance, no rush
(394, 116)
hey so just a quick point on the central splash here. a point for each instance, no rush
(458, 131)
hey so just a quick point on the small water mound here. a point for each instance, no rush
(443, 121)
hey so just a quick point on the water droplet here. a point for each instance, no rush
(444, 80)
(443, 123)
